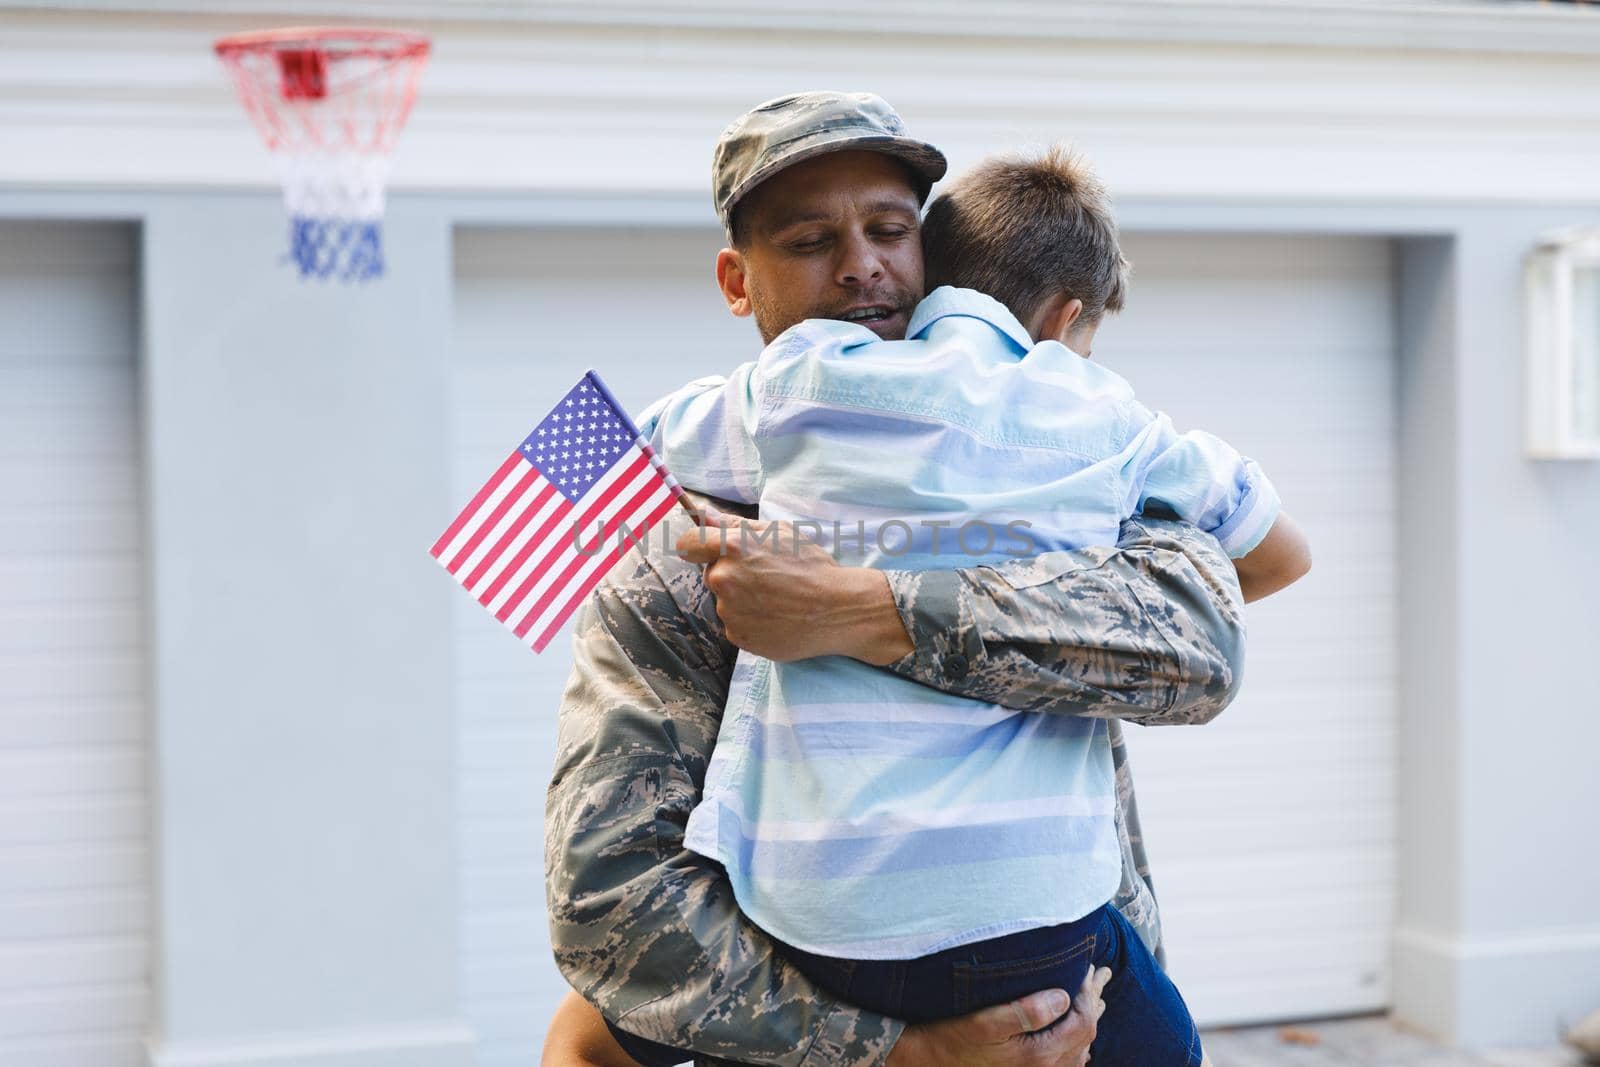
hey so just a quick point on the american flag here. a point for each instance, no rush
(544, 529)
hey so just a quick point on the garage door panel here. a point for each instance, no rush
(71, 676)
(72, 771)
(1250, 834)
(1322, 955)
(101, 722)
(49, 628)
(73, 914)
(1330, 745)
(70, 435)
(74, 849)
(504, 885)
(55, 963)
(64, 387)
(108, 817)
(506, 838)
(1308, 870)
(123, 1050)
(88, 531)
(40, 578)
(71, 1011)
(1274, 823)
(74, 866)
(1322, 788)
(80, 321)
(52, 481)
(507, 749)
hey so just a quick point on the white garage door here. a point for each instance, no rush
(533, 311)
(73, 857)
(1271, 829)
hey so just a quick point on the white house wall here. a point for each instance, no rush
(1430, 102)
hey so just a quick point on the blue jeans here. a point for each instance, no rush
(1146, 1023)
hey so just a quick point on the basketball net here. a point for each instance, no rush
(330, 104)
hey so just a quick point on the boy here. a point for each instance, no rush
(919, 854)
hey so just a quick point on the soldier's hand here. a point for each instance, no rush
(782, 596)
(1030, 1032)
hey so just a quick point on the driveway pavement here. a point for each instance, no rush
(1369, 1040)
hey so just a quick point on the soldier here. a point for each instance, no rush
(1149, 631)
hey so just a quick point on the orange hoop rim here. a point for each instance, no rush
(331, 40)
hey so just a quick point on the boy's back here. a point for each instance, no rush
(855, 810)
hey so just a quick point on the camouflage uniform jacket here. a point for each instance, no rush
(1149, 632)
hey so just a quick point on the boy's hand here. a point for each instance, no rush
(1010, 1035)
(783, 597)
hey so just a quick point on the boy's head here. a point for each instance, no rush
(1035, 233)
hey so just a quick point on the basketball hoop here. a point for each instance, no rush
(330, 103)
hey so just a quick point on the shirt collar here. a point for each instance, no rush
(948, 300)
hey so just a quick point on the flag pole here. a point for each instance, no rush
(695, 514)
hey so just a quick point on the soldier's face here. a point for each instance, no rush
(836, 237)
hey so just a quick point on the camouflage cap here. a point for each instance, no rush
(791, 129)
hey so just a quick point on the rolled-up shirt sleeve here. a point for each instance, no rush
(706, 431)
(1201, 478)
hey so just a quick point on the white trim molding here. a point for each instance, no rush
(1446, 103)
(1515, 989)
(1461, 25)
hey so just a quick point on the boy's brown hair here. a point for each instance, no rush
(1022, 230)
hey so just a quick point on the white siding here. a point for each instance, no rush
(74, 902)
(1272, 830)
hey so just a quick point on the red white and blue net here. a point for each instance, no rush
(330, 104)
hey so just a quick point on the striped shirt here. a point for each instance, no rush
(859, 814)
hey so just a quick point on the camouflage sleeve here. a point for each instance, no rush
(645, 930)
(1151, 631)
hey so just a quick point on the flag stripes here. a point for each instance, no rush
(551, 521)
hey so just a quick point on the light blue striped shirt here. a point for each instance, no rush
(858, 813)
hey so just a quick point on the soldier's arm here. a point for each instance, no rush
(643, 929)
(1151, 631)
(578, 1037)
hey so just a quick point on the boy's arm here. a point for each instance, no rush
(1282, 558)
(1204, 480)
(705, 433)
